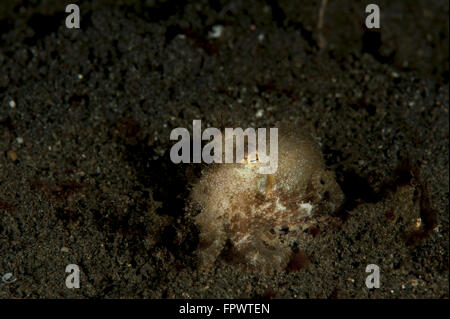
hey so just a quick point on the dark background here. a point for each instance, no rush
(85, 176)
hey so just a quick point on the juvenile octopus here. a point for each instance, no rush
(259, 214)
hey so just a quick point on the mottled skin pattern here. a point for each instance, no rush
(260, 214)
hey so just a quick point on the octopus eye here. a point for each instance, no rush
(252, 159)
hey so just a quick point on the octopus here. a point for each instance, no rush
(259, 215)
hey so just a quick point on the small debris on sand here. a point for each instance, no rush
(12, 155)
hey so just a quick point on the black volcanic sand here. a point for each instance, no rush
(85, 175)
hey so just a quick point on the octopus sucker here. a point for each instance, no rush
(262, 214)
